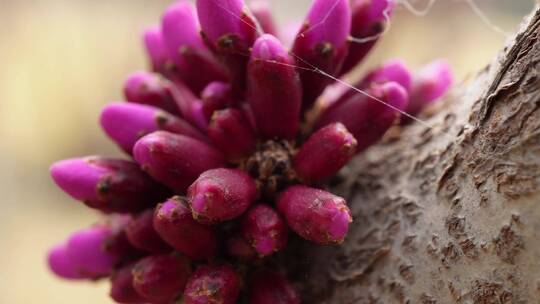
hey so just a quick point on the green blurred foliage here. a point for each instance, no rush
(62, 60)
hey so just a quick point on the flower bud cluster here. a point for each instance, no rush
(224, 167)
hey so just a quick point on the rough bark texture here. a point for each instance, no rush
(449, 214)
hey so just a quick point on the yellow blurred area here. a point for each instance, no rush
(62, 60)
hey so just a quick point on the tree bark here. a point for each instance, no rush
(449, 214)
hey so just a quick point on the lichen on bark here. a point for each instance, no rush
(448, 214)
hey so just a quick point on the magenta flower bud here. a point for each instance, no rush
(269, 287)
(156, 50)
(87, 250)
(175, 160)
(229, 30)
(122, 290)
(239, 248)
(393, 70)
(181, 34)
(175, 224)
(325, 153)
(161, 278)
(368, 18)
(126, 123)
(216, 96)
(322, 43)
(61, 264)
(150, 89)
(190, 107)
(221, 194)
(222, 19)
(109, 185)
(213, 284)
(117, 243)
(366, 118)
(429, 84)
(142, 235)
(231, 133)
(314, 214)
(274, 89)
(261, 10)
(265, 229)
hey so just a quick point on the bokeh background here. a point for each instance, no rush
(62, 60)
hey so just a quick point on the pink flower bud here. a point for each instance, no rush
(181, 34)
(106, 184)
(265, 229)
(263, 14)
(156, 50)
(230, 30)
(125, 123)
(122, 290)
(213, 284)
(221, 194)
(220, 19)
(239, 248)
(231, 133)
(274, 89)
(322, 43)
(216, 96)
(175, 160)
(142, 235)
(87, 250)
(190, 107)
(393, 70)
(314, 214)
(117, 243)
(429, 84)
(366, 118)
(150, 89)
(161, 278)
(325, 152)
(268, 287)
(175, 224)
(368, 17)
(61, 264)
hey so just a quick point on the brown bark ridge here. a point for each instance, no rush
(449, 214)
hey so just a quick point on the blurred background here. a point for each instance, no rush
(62, 60)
